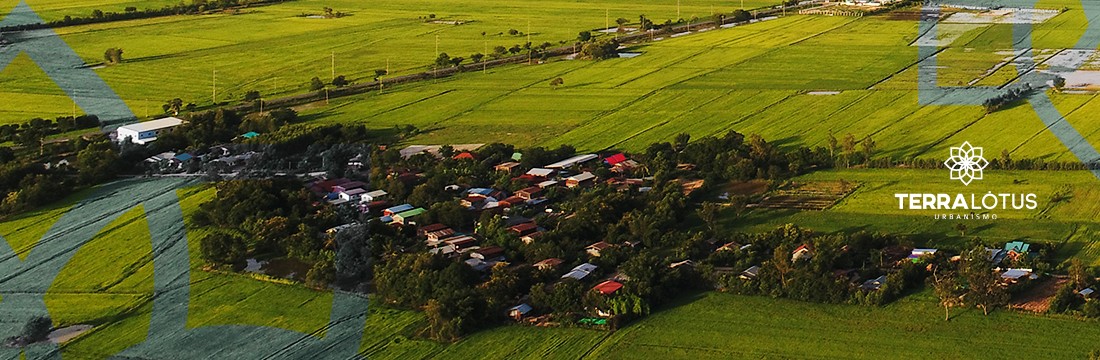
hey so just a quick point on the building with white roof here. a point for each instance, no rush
(146, 132)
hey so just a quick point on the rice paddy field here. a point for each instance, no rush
(276, 50)
(1065, 215)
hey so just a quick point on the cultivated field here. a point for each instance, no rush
(275, 50)
(1064, 219)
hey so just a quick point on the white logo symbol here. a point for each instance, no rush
(966, 163)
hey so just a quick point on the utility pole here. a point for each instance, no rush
(678, 17)
(334, 65)
(742, 4)
(530, 46)
(606, 20)
(437, 45)
(484, 61)
(214, 87)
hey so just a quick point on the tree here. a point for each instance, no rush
(1078, 274)
(442, 61)
(709, 214)
(340, 81)
(868, 148)
(949, 292)
(173, 106)
(113, 56)
(833, 145)
(477, 57)
(982, 283)
(556, 83)
(584, 36)
(223, 249)
(251, 95)
(378, 74)
(316, 84)
(961, 228)
(36, 329)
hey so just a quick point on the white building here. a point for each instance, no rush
(146, 132)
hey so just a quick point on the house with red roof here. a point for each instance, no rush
(608, 287)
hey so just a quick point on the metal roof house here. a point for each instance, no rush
(146, 132)
(570, 162)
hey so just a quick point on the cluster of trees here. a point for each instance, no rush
(26, 183)
(970, 282)
(1005, 100)
(825, 276)
(850, 150)
(132, 12)
(1068, 301)
(599, 49)
(267, 219)
(32, 132)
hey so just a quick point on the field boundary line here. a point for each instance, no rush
(1047, 128)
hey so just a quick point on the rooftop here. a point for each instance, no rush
(154, 124)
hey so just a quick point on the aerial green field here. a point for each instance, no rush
(768, 78)
(276, 50)
(1065, 223)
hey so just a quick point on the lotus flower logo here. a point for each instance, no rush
(966, 163)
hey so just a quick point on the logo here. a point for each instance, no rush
(966, 163)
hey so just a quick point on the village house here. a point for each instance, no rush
(352, 195)
(461, 242)
(465, 155)
(608, 287)
(479, 265)
(529, 193)
(511, 201)
(506, 167)
(424, 230)
(802, 253)
(435, 237)
(375, 195)
(580, 272)
(539, 173)
(917, 254)
(348, 186)
(547, 184)
(489, 253)
(1087, 293)
(750, 273)
(518, 312)
(530, 238)
(524, 228)
(548, 264)
(583, 179)
(570, 162)
(595, 249)
(1012, 276)
(403, 217)
(397, 209)
(874, 284)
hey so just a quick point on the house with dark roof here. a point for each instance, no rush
(524, 228)
(489, 253)
(548, 264)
